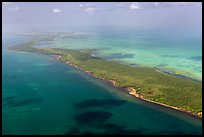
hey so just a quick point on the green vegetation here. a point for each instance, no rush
(150, 84)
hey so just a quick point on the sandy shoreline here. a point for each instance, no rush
(56, 56)
(130, 90)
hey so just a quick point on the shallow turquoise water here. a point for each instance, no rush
(43, 96)
(179, 51)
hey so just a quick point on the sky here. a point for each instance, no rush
(19, 16)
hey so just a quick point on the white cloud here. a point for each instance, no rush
(14, 9)
(156, 3)
(121, 4)
(85, 5)
(89, 10)
(56, 10)
(174, 3)
(6, 3)
(135, 6)
(80, 5)
(184, 3)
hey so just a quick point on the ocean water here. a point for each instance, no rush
(43, 96)
(178, 51)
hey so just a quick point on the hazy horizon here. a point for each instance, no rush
(83, 16)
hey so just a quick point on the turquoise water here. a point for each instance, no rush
(178, 51)
(43, 96)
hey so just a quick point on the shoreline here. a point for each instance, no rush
(57, 57)
(130, 90)
(178, 75)
(159, 70)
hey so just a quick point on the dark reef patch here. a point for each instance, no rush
(9, 98)
(169, 132)
(125, 132)
(9, 103)
(27, 102)
(99, 103)
(162, 65)
(73, 131)
(88, 132)
(16, 103)
(93, 117)
(178, 75)
(12, 77)
(112, 127)
(77, 131)
(134, 65)
(106, 129)
(121, 130)
(196, 58)
(170, 56)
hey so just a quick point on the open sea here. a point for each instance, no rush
(43, 96)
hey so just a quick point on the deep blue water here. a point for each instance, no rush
(43, 96)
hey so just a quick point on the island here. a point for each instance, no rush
(142, 82)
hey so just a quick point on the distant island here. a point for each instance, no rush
(142, 82)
